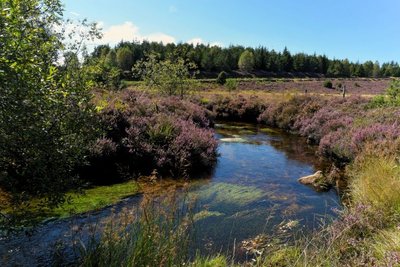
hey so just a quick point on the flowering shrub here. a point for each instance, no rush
(146, 133)
(238, 108)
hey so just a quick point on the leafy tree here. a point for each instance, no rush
(368, 68)
(246, 61)
(221, 79)
(124, 58)
(111, 59)
(45, 115)
(171, 78)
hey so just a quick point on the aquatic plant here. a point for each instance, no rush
(225, 196)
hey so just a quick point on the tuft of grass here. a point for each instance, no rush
(217, 261)
(375, 181)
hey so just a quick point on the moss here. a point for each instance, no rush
(95, 198)
(88, 200)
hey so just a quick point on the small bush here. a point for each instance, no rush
(328, 84)
(238, 108)
(231, 84)
(221, 79)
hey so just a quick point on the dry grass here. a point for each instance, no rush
(375, 181)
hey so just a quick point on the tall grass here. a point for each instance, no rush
(375, 181)
(158, 234)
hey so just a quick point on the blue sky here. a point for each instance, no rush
(354, 29)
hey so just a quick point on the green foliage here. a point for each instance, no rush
(221, 79)
(390, 99)
(111, 59)
(124, 58)
(169, 77)
(215, 59)
(45, 115)
(231, 84)
(328, 84)
(286, 60)
(246, 61)
(103, 72)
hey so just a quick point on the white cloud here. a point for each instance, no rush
(195, 41)
(128, 31)
(198, 40)
(217, 44)
(159, 37)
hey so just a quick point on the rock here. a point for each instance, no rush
(311, 179)
(317, 180)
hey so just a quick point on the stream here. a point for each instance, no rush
(252, 191)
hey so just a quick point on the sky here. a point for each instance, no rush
(359, 30)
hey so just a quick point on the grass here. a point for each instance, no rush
(160, 236)
(375, 181)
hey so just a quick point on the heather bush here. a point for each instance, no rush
(328, 84)
(237, 108)
(146, 133)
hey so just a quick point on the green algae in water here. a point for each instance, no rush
(247, 132)
(229, 196)
(269, 131)
(206, 214)
(232, 127)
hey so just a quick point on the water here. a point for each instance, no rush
(253, 190)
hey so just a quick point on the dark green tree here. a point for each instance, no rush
(286, 60)
(45, 116)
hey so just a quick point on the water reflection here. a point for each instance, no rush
(254, 187)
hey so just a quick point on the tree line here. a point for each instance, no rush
(214, 59)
